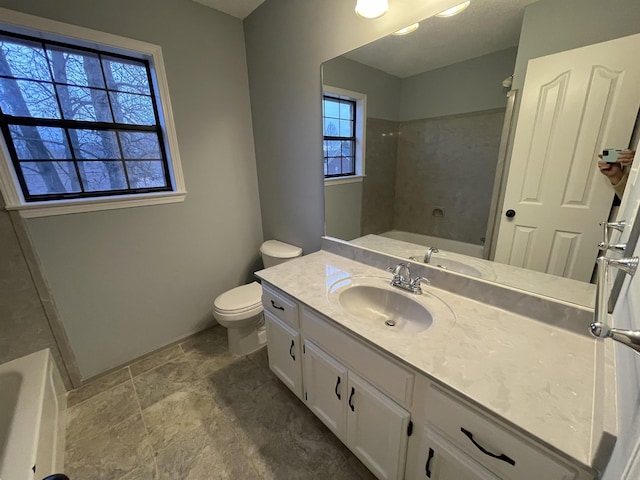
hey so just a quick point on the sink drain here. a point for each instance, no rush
(390, 323)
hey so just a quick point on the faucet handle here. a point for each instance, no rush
(418, 280)
(415, 287)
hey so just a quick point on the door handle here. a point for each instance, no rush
(427, 467)
(291, 349)
(353, 392)
(510, 213)
(502, 456)
(276, 306)
(337, 387)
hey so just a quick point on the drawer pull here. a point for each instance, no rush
(353, 392)
(502, 456)
(427, 467)
(337, 387)
(276, 306)
(291, 350)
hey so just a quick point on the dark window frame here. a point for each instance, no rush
(352, 138)
(65, 124)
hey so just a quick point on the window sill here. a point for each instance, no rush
(342, 180)
(62, 207)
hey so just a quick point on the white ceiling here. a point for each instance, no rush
(236, 8)
(486, 26)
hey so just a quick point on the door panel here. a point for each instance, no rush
(574, 104)
(283, 345)
(325, 382)
(376, 429)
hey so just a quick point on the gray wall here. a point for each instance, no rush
(552, 26)
(382, 89)
(129, 281)
(287, 41)
(471, 86)
(343, 209)
(344, 203)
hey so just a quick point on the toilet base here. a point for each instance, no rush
(246, 340)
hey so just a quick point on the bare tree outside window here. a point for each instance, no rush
(79, 122)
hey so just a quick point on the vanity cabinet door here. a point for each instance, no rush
(377, 429)
(434, 458)
(283, 345)
(325, 385)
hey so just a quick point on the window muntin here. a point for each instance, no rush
(79, 122)
(339, 126)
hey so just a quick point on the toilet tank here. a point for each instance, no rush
(275, 252)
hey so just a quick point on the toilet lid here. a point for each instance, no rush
(277, 249)
(245, 297)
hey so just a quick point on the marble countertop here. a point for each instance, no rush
(538, 377)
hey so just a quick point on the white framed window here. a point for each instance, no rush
(85, 118)
(344, 114)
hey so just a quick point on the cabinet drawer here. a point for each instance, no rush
(281, 305)
(390, 377)
(491, 444)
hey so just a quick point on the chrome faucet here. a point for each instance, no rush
(427, 255)
(402, 278)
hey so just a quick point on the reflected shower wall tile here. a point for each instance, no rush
(447, 163)
(378, 189)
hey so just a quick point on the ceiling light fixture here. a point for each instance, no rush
(450, 12)
(407, 30)
(372, 8)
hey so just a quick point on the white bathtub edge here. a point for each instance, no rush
(35, 432)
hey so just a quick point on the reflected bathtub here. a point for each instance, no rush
(441, 243)
(32, 417)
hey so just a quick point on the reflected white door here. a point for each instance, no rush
(574, 104)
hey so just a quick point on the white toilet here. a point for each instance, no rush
(239, 310)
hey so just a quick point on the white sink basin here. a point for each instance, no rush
(374, 301)
(455, 266)
(459, 264)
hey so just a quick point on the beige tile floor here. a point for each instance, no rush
(193, 411)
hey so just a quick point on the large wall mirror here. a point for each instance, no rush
(441, 111)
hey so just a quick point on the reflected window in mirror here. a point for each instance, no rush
(343, 120)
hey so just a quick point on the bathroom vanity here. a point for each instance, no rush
(457, 390)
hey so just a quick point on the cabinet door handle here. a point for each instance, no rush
(276, 306)
(427, 467)
(291, 349)
(353, 392)
(337, 387)
(502, 456)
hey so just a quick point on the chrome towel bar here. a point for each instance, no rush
(599, 327)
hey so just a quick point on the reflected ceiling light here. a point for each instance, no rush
(450, 12)
(372, 8)
(407, 30)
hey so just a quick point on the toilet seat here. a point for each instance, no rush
(240, 302)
